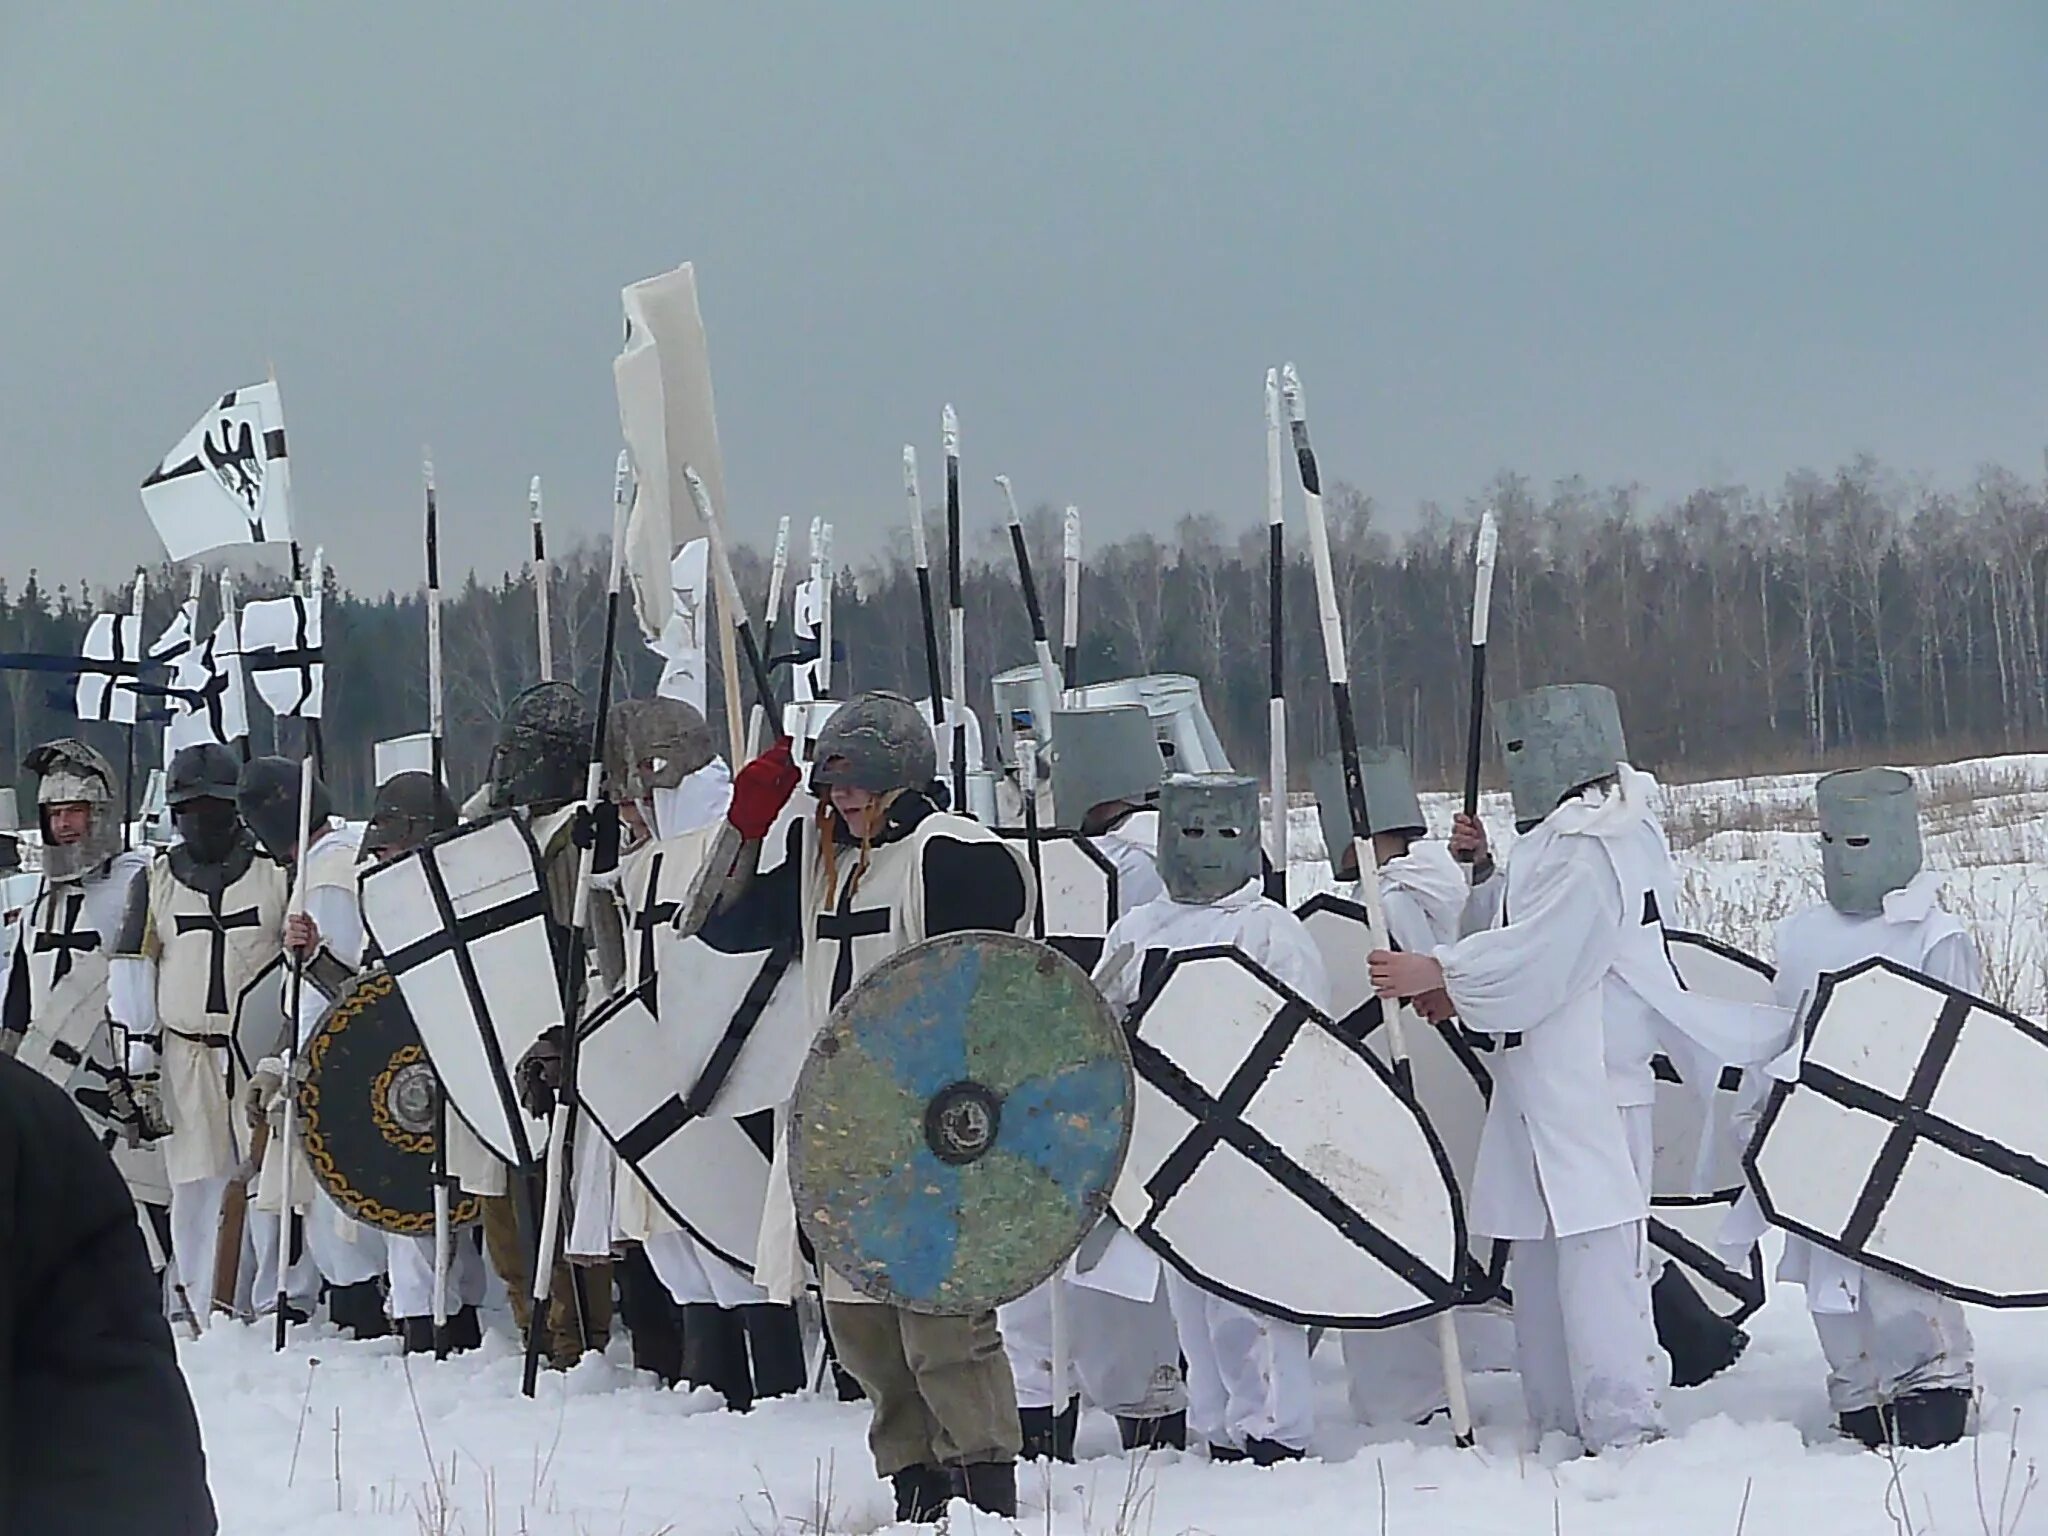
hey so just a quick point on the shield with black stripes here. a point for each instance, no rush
(1274, 1162)
(960, 1122)
(1078, 883)
(634, 1078)
(1913, 1141)
(1446, 1062)
(463, 926)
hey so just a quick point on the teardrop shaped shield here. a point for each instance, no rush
(960, 1122)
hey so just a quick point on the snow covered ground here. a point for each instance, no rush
(336, 1438)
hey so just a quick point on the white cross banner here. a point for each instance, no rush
(205, 692)
(281, 653)
(228, 481)
(112, 655)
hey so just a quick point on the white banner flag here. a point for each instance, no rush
(282, 656)
(681, 644)
(207, 701)
(112, 656)
(670, 423)
(807, 614)
(228, 481)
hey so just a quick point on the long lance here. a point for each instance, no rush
(824, 562)
(1361, 821)
(562, 1125)
(540, 582)
(920, 557)
(437, 735)
(1276, 647)
(294, 991)
(763, 719)
(1027, 784)
(303, 587)
(956, 606)
(1070, 628)
(729, 588)
(1484, 554)
(128, 730)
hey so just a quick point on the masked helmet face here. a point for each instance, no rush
(543, 748)
(1869, 837)
(1208, 835)
(663, 741)
(69, 772)
(877, 742)
(209, 827)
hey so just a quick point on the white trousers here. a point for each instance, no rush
(1587, 1350)
(302, 1281)
(1248, 1376)
(1124, 1354)
(695, 1276)
(344, 1250)
(1395, 1375)
(1897, 1339)
(411, 1267)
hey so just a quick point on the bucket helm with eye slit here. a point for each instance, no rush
(1208, 835)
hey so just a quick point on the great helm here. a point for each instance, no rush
(1208, 834)
(1869, 836)
(1557, 740)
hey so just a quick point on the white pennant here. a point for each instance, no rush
(228, 481)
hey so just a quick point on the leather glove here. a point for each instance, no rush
(136, 1105)
(761, 789)
(265, 1083)
(599, 831)
(539, 1075)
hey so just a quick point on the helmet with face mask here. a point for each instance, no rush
(1869, 836)
(1208, 835)
(654, 744)
(543, 748)
(68, 772)
(410, 808)
(877, 742)
(199, 788)
(1557, 740)
(268, 798)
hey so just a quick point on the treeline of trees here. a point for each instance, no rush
(1842, 614)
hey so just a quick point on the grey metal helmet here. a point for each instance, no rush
(268, 798)
(1208, 834)
(1100, 756)
(1557, 740)
(410, 808)
(69, 772)
(654, 744)
(1391, 803)
(877, 742)
(543, 748)
(1869, 836)
(204, 771)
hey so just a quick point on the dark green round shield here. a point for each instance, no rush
(366, 1111)
(959, 1123)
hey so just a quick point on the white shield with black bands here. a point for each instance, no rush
(1913, 1141)
(708, 1171)
(1080, 895)
(1684, 1116)
(463, 926)
(1273, 1162)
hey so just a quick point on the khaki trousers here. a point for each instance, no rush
(940, 1386)
(508, 1251)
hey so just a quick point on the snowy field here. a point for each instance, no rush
(337, 1438)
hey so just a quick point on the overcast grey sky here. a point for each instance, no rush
(1669, 242)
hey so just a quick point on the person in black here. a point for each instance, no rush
(97, 1430)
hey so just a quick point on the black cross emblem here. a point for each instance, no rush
(301, 657)
(217, 923)
(67, 941)
(843, 928)
(655, 914)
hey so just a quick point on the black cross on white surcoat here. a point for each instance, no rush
(653, 914)
(217, 923)
(844, 928)
(67, 941)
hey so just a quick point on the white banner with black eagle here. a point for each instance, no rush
(228, 481)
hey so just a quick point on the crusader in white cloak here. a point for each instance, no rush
(1250, 1391)
(1121, 1337)
(54, 979)
(1576, 991)
(209, 918)
(879, 869)
(1901, 1364)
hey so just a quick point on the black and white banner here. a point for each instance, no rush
(281, 652)
(205, 691)
(228, 481)
(112, 656)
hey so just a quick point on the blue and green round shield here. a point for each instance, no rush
(960, 1122)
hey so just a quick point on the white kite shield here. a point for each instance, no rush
(709, 1171)
(1913, 1140)
(1273, 1161)
(463, 925)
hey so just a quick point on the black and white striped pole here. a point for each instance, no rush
(540, 582)
(1070, 623)
(437, 737)
(1484, 554)
(1354, 789)
(762, 722)
(920, 558)
(956, 607)
(294, 990)
(1276, 641)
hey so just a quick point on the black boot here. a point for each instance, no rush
(358, 1309)
(1700, 1342)
(652, 1317)
(1864, 1426)
(1270, 1453)
(1227, 1453)
(465, 1330)
(777, 1344)
(1049, 1437)
(990, 1486)
(1923, 1420)
(1167, 1432)
(418, 1333)
(715, 1354)
(922, 1494)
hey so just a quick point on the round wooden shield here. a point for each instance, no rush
(366, 1111)
(960, 1122)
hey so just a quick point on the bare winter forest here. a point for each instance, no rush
(1847, 615)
